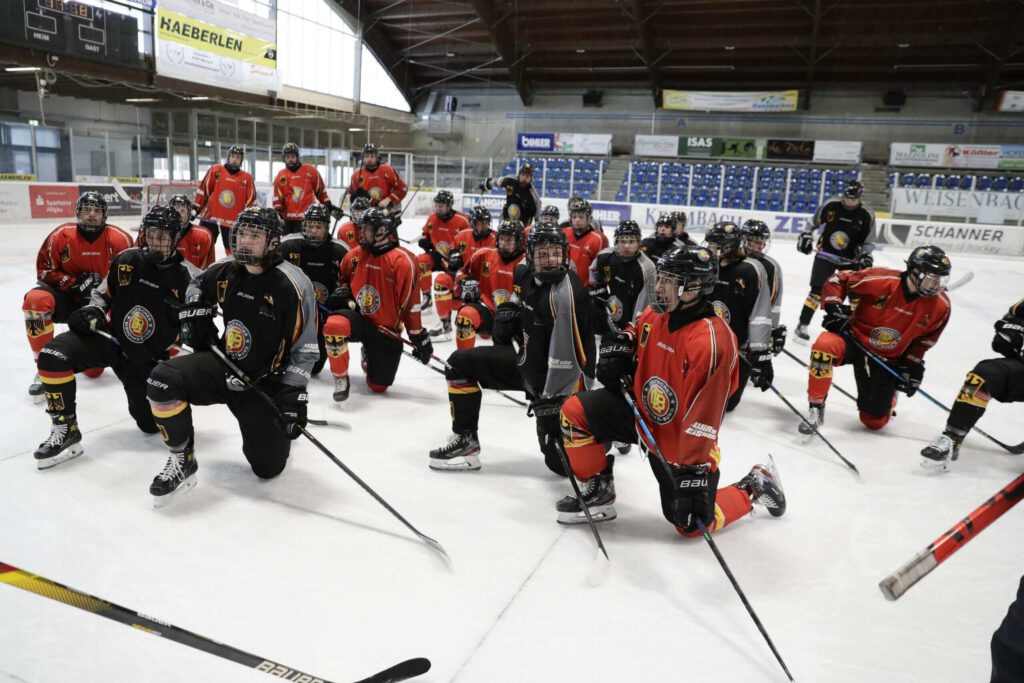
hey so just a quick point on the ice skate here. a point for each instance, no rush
(460, 452)
(64, 443)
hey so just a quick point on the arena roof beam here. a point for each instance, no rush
(643, 27)
(380, 44)
(506, 48)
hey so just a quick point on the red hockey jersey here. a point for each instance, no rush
(494, 276)
(223, 195)
(66, 254)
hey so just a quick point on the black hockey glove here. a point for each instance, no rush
(694, 489)
(508, 323)
(837, 316)
(426, 245)
(212, 225)
(423, 348)
(291, 403)
(865, 261)
(83, 285)
(87, 320)
(761, 372)
(805, 242)
(778, 339)
(341, 298)
(197, 328)
(616, 359)
(549, 431)
(470, 291)
(911, 374)
(455, 261)
(1009, 339)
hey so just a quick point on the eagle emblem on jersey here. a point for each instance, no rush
(839, 240)
(971, 392)
(615, 308)
(222, 290)
(124, 274)
(368, 300)
(500, 296)
(885, 338)
(830, 216)
(226, 199)
(722, 311)
(375, 194)
(645, 333)
(881, 301)
(487, 269)
(295, 257)
(237, 339)
(138, 325)
(660, 400)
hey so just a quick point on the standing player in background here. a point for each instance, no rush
(379, 290)
(319, 256)
(584, 241)
(72, 262)
(1001, 379)
(742, 298)
(195, 246)
(376, 181)
(846, 242)
(756, 240)
(348, 232)
(899, 316)
(269, 314)
(678, 219)
(544, 345)
(446, 286)
(681, 362)
(226, 191)
(139, 296)
(488, 284)
(521, 199)
(438, 239)
(662, 240)
(296, 186)
(621, 277)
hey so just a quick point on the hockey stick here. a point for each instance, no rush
(704, 531)
(237, 372)
(838, 388)
(815, 428)
(39, 585)
(1016, 450)
(939, 550)
(442, 361)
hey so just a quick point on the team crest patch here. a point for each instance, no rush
(222, 290)
(283, 180)
(368, 300)
(464, 328)
(881, 301)
(320, 291)
(513, 210)
(660, 400)
(722, 311)
(615, 308)
(645, 333)
(885, 338)
(839, 240)
(65, 254)
(500, 296)
(376, 193)
(297, 194)
(237, 339)
(138, 325)
(124, 274)
(226, 199)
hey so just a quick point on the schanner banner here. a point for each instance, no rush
(215, 43)
(761, 101)
(565, 143)
(793, 150)
(656, 145)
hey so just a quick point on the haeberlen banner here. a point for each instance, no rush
(793, 150)
(761, 101)
(954, 237)
(942, 155)
(565, 143)
(837, 151)
(215, 43)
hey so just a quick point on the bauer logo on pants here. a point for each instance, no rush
(138, 325)
(722, 311)
(124, 274)
(660, 400)
(839, 240)
(237, 339)
(368, 300)
(226, 198)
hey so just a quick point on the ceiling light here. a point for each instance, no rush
(355, 130)
(580, 50)
(903, 45)
(138, 100)
(22, 68)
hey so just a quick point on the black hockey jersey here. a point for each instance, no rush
(321, 264)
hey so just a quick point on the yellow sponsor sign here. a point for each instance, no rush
(18, 177)
(178, 28)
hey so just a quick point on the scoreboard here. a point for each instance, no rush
(67, 27)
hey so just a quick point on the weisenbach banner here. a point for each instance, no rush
(218, 44)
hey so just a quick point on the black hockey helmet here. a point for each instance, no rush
(161, 219)
(480, 217)
(726, 236)
(251, 225)
(316, 214)
(377, 231)
(929, 268)
(179, 201)
(358, 207)
(91, 199)
(627, 230)
(289, 148)
(854, 190)
(512, 228)
(550, 212)
(581, 206)
(547, 233)
(688, 269)
(757, 233)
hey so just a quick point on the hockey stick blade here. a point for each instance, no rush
(967, 277)
(123, 194)
(410, 668)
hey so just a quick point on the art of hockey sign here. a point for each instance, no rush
(939, 155)
(215, 43)
(952, 237)
(564, 143)
(762, 101)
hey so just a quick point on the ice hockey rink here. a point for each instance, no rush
(308, 570)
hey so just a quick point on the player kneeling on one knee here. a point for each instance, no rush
(269, 311)
(900, 315)
(548, 320)
(129, 324)
(681, 362)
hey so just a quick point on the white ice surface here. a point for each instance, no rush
(310, 571)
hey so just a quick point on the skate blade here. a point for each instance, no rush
(938, 466)
(186, 486)
(806, 437)
(466, 463)
(72, 451)
(599, 513)
(622, 448)
(38, 399)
